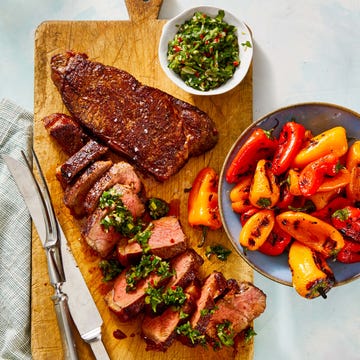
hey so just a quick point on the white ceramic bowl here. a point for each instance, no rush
(170, 29)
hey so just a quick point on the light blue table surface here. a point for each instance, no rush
(304, 51)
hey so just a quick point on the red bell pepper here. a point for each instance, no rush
(260, 145)
(276, 242)
(313, 174)
(350, 253)
(203, 206)
(290, 141)
(347, 221)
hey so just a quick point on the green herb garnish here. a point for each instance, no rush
(110, 269)
(157, 207)
(204, 51)
(193, 334)
(173, 296)
(225, 333)
(221, 252)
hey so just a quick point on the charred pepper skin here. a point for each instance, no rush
(353, 166)
(332, 141)
(260, 145)
(290, 141)
(312, 232)
(203, 205)
(347, 221)
(311, 275)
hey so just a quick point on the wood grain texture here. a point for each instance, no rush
(131, 46)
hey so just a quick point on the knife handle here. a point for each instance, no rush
(99, 350)
(65, 325)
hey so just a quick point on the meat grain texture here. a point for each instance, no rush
(151, 128)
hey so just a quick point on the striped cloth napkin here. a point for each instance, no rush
(16, 126)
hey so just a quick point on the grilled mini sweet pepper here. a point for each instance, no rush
(256, 230)
(312, 232)
(264, 189)
(313, 174)
(260, 145)
(332, 141)
(353, 165)
(311, 275)
(347, 221)
(350, 253)
(290, 141)
(203, 206)
(276, 242)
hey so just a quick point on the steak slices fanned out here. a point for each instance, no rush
(73, 166)
(166, 241)
(67, 132)
(148, 126)
(119, 173)
(240, 306)
(74, 195)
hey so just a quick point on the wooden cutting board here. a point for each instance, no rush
(132, 46)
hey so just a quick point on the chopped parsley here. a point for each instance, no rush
(193, 335)
(142, 237)
(204, 51)
(226, 333)
(157, 207)
(147, 265)
(219, 251)
(110, 269)
(119, 216)
(173, 296)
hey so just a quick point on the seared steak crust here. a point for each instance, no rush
(73, 166)
(67, 132)
(146, 125)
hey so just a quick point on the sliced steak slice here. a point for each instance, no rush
(240, 306)
(94, 233)
(74, 194)
(67, 132)
(72, 167)
(214, 285)
(120, 173)
(127, 305)
(166, 241)
(148, 126)
(159, 332)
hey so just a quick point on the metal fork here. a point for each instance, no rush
(54, 261)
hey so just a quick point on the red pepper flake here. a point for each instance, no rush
(177, 48)
(236, 63)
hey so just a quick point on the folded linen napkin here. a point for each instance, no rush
(16, 127)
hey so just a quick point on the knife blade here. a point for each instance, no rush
(83, 310)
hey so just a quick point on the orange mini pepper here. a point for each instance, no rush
(353, 165)
(203, 205)
(340, 180)
(257, 229)
(312, 232)
(311, 275)
(264, 190)
(332, 141)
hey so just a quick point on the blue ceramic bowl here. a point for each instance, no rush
(316, 117)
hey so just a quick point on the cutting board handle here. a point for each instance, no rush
(140, 10)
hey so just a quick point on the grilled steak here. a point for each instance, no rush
(67, 132)
(240, 306)
(167, 240)
(94, 233)
(119, 173)
(73, 166)
(74, 195)
(146, 125)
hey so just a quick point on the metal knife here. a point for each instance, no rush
(83, 310)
